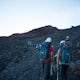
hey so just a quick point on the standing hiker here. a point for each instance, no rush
(64, 57)
(46, 52)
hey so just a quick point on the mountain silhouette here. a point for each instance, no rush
(19, 61)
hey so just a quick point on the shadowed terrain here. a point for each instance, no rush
(19, 61)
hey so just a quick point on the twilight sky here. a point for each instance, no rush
(19, 16)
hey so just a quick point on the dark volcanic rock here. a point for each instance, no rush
(18, 61)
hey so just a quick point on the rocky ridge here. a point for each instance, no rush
(19, 61)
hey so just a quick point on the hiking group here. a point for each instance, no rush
(63, 58)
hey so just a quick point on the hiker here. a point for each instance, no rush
(64, 57)
(68, 42)
(46, 55)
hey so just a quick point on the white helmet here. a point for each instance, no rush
(49, 39)
(62, 43)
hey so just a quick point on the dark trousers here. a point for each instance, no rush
(63, 72)
(45, 70)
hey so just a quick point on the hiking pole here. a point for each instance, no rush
(51, 69)
(57, 71)
(57, 56)
(57, 65)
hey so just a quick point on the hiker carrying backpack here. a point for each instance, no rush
(44, 50)
(64, 58)
(45, 53)
(65, 53)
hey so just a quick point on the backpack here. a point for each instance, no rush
(65, 54)
(44, 50)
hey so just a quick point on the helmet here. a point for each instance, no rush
(62, 43)
(49, 39)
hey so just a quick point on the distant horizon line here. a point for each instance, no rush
(38, 28)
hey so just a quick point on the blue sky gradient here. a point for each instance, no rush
(19, 16)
